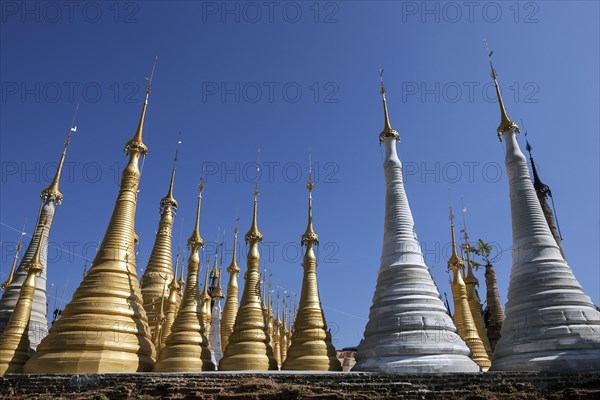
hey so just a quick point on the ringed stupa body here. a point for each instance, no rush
(104, 328)
(550, 324)
(409, 329)
(159, 273)
(51, 197)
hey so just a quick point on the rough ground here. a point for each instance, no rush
(221, 386)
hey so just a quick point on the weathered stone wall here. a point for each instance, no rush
(496, 385)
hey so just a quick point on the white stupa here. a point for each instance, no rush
(551, 324)
(409, 329)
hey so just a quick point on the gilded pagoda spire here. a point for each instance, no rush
(275, 340)
(311, 347)
(158, 274)
(172, 306)
(109, 296)
(230, 308)
(52, 192)
(283, 336)
(158, 328)
(186, 349)
(506, 124)
(462, 312)
(206, 306)
(14, 340)
(51, 197)
(248, 346)
(11, 274)
(471, 283)
(543, 192)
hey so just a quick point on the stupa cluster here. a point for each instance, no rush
(162, 322)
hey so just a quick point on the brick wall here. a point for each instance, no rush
(354, 385)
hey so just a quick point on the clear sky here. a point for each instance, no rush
(289, 76)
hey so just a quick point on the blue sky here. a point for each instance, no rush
(288, 77)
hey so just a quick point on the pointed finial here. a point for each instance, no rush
(52, 192)
(254, 234)
(233, 267)
(257, 172)
(136, 144)
(169, 200)
(506, 124)
(149, 79)
(181, 281)
(205, 294)
(309, 235)
(388, 131)
(195, 241)
(454, 259)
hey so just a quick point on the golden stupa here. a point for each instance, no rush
(248, 345)
(158, 327)
(462, 313)
(181, 282)
(206, 300)
(276, 335)
(186, 348)
(311, 347)
(230, 308)
(283, 336)
(471, 282)
(159, 272)
(14, 340)
(104, 328)
(172, 307)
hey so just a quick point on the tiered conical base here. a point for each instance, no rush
(38, 325)
(104, 328)
(248, 345)
(409, 330)
(186, 349)
(551, 324)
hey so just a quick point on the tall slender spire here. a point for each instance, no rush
(311, 347)
(248, 346)
(206, 306)
(388, 131)
(51, 197)
(52, 192)
(275, 340)
(109, 296)
(14, 340)
(462, 313)
(543, 192)
(407, 316)
(158, 273)
(160, 320)
(172, 306)
(186, 349)
(230, 308)
(11, 274)
(471, 283)
(506, 124)
(545, 300)
(136, 144)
